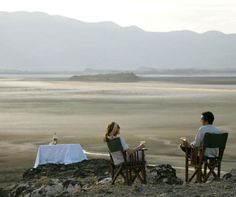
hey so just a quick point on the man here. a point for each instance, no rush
(207, 119)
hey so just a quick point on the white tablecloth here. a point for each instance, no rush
(59, 154)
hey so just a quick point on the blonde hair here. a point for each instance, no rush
(110, 129)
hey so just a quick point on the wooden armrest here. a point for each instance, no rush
(144, 149)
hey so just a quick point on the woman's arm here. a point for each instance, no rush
(130, 151)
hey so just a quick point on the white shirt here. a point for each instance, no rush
(210, 152)
(118, 156)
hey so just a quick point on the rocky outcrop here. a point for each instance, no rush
(60, 180)
(164, 174)
(92, 178)
(86, 168)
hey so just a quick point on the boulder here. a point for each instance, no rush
(231, 176)
(164, 174)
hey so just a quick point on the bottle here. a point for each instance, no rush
(54, 139)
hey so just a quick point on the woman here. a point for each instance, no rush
(113, 131)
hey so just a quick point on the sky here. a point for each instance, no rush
(150, 15)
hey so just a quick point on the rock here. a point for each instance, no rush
(163, 195)
(227, 176)
(165, 174)
(38, 192)
(64, 194)
(71, 186)
(3, 193)
(233, 172)
(30, 173)
(19, 189)
(69, 182)
(82, 169)
(47, 190)
(91, 178)
(137, 189)
(231, 176)
(105, 181)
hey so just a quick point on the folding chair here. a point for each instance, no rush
(214, 141)
(133, 166)
(193, 158)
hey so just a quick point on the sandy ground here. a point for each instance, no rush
(157, 112)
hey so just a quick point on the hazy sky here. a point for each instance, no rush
(150, 15)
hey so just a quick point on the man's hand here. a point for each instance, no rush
(184, 142)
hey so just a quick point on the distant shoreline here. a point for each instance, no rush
(216, 79)
(149, 75)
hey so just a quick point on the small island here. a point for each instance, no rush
(110, 77)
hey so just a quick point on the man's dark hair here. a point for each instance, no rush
(208, 116)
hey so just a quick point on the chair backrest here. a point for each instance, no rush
(212, 140)
(114, 145)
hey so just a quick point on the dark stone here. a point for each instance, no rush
(109, 191)
(86, 168)
(69, 182)
(227, 176)
(19, 190)
(231, 176)
(82, 173)
(63, 194)
(137, 189)
(3, 193)
(31, 173)
(165, 174)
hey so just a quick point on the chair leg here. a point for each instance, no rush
(144, 175)
(130, 175)
(127, 179)
(186, 174)
(116, 175)
(137, 171)
(199, 174)
(219, 169)
(112, 171)
(205, 170)
(186, 168)
(211, 171)
(206, 175)
(194, 174)
(214, 164)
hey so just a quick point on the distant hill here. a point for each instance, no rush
(41, 42)
(113, 77)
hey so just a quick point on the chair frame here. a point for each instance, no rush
(195, 161)
(214, 141)
(195, 157)
(132, 168)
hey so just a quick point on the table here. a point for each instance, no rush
(59, 154)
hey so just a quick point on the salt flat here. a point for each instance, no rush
(158, 112)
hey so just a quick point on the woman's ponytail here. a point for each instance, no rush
(109, 130)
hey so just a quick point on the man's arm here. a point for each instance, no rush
(198, 139)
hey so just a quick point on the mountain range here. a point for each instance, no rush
(36, 41)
